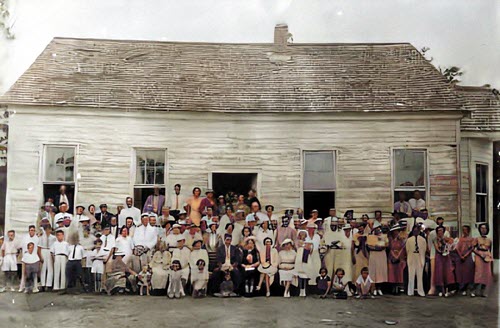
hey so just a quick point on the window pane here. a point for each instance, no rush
(481, 208)
(150, 167)
(319, 172)
(409, 168)
(59, 164)
(481, 178)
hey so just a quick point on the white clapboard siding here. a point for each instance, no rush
(196, 143)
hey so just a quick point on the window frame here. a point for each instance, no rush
(486, 195)
(133, 169)
(335, 154)
(425, 188)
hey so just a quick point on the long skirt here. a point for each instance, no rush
(395, 272)
(464, 271)
(377, 264)
(443, 274)
(482, 274)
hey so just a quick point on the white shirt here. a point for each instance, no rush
(108, 242)
(261, 216)
(132, 212)
(27, 239)
(76, 252)
(177, 202)
(30, 258)
(60, 248)
(10, 246)
(315, 240)
(60, 215)
(46, 242)
(145, 236)
(124, 244)
(414, 203)
(364, 282)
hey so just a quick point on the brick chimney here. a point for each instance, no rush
(281, 35)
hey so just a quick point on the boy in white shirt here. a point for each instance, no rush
(364, 284)
(59, 252)
(31, 264)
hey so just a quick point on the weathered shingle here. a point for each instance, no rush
(232, 77)
(486, 109)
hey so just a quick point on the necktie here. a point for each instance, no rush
(176, 202)
(106, 242)
(74, 252)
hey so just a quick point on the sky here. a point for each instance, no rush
(461, 33)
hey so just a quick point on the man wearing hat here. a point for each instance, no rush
(62, 197)
(129, 211)
(63, 212)
(182, 254)
(416, 247)
(104, 217)
(155, 202)
(45, 213)
(81, 219)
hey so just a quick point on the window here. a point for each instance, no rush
(319, 181)
(150, 168)
(481, 193)
(58, 170)
(409, 175)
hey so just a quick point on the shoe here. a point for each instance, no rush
(268, 294)
(472, 294)
(421, 295)
(349, 293)
(287, 295)
(372, 296)
(464, 293)
(247, 289)
(380, 292)
(440, 294)
(257, 288)
(358, 296)
(446, 294)
(26, 291)
(21, 290)
(35, 291)
(375, 292)
(302, 293)
(12, 289)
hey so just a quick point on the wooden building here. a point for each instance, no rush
(307, 125)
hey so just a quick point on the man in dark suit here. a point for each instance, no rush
(104, 217)
(228, 259)
(63, 197)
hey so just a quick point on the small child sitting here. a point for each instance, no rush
(144, 280)
(175, 289)
(323, 283)
(364, 284)
(226, 287)
(340, 287)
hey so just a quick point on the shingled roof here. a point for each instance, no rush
(486, 105)
(232, 77)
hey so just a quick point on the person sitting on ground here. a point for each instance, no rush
(226, 287)
(364, 284)
(323, 282)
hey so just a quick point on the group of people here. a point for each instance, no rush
(231, 246)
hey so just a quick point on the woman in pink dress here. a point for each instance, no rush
(397, 258)
(208, 201)
(464, 264)
(482, 274)
(194, 204)
(443, 272)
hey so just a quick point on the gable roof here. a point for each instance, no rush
(485, 103)
(232, 77)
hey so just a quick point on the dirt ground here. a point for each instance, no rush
(52, 310)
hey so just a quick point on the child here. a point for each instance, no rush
(324, 283)
(364, 284)
(31, 263)
(226, 287)
(340, 286)
(144, 280)
(9, 264)
(175, 289)
(199, 279)
(98, 256)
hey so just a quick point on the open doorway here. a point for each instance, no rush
(239, 183)
(318, 200)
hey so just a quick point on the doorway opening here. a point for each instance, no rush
(318, 200)
(238, 183)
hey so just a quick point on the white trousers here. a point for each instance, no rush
(415, 269)
(47, 272)
(60, 272)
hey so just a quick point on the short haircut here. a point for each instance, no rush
(11, 231)
(323, 269)
(365, 269)
(31, 226)
(62, 203)
(339, 270)
(177, 185)
(59, 231)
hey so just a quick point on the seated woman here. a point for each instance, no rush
(160, 265)
(286, 260)
(198, 278)
(120, 276)
(268, 265)
(249, 263)
(245, 234)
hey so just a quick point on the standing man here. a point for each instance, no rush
(256, 214)
(59, 252)
(154, 202)
(252, 197)
(63, 212)
(416, 247)
(145, 238)
(177, 202)
(129, 211)
(79, 216)
(47, 272)
(9, 249)
(62, 197)
(74, 269)
(104, 217)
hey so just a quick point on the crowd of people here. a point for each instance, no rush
(232, 246)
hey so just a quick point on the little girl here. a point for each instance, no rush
(323, 282)
(31, 263)
(175, 289)
(144, 280)
(226, 287)
(98, 256)
(340, 287)
(364, 284)
(199, 279)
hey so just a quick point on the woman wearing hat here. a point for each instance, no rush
(212, 241)
(464, 265)
(443, 274)
(483, 274)
(264, 232)
(397, 257)
(307, 265)
(199, 272)
(194, 208)
(377, 262)
(286, 265)
(268, 264)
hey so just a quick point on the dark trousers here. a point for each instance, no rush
(73, 272)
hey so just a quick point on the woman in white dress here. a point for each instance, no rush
(286, 265)
(125, 244)
(160, 266)
(307, 265)
(262, 233)
(268, 267)
(199, 273)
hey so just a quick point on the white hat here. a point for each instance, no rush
(240, 211)
(286, 241)
(152, 214)
(180, 237)
(84, 218)
(61, 219)
(250, 218)
(311, 225)
(210, 223)
(176, 225)
(182, 222)
(265, 219)
(346, 227)
(430, 224)
(119, 253)
(419, 221)
(144, 214)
